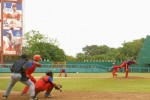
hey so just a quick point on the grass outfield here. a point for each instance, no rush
(95, 82)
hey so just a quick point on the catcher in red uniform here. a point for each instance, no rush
(46, 84)
(126, 65)
(29, 72)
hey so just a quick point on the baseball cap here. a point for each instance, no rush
(14, 5)
(24, 56)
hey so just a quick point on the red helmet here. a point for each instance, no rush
(37, 57)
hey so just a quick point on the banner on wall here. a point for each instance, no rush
(12, 42)
(12, 28)
(12, 15)
(12, 0)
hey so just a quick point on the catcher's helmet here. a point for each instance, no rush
(37, 57)
(49, 73)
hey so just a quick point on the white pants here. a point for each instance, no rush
(17, 77)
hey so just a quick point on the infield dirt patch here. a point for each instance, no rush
(71, 95)
(80, 95)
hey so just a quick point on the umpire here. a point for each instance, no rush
(18, 74)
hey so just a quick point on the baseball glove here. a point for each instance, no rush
(60, 86)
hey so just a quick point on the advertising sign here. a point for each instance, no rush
(12, 28)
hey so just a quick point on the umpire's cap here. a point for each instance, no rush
(24, 56)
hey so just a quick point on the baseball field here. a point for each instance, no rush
(91, 86)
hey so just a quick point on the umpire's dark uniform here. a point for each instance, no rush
(18, 74)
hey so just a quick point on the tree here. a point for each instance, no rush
(37, 43)
(95, 50)
(70, 58)
(103, 52)
(132, 49)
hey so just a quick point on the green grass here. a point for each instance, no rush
(106, 85)
(98, 82)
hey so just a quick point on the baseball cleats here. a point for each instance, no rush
(47, 95)
(23, 94)
(33, 98)
(4, 97)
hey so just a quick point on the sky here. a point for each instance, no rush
(78, 23)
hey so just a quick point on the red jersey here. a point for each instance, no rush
(63, 71)
(127, 63)
(32, 68)
(43, 83)
(130, 62)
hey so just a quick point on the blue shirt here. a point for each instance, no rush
(50, 79)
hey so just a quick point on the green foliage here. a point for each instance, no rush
(70, 58)
(37, 43)
(103, 52)
(132, 49)
(95, 50)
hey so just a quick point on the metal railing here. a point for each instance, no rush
(77, 68)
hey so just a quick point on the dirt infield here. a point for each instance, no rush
(70, 95)
(79, 95)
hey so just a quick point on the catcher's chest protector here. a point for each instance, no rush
(45, 79)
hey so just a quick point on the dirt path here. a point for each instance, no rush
(74, 95)
(70, 95)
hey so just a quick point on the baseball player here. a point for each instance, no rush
(46, 83)
(30, 70)
(115, 69)
(18, 74)
(63, 71)
(126, 65)
(113, 65)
